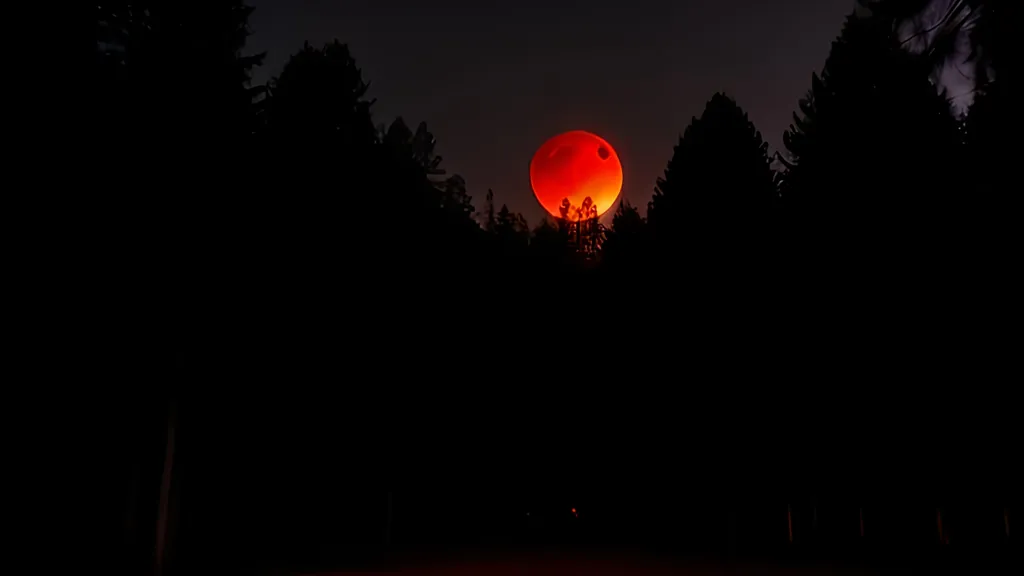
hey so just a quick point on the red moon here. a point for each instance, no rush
(574, 166)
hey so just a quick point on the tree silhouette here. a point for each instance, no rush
(991, 206)
(154, 56)
(456, 203)
(430, 217)
(626, 242)
(317, 151)
(489, 215)
(977, 33)
(281, 226)
(173, 106)
(171, 134)
(869, 152)
(328, 156)
(411, 171)
(550, 247)
(512, 235)
(718, 190)
(317, 125)
(319, 99)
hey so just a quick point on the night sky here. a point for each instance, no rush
(494, 80)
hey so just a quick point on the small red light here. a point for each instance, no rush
(573, 510)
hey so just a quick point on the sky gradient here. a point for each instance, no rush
(494, 80)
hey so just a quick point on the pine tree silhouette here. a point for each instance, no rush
(511, 228)
(319, 99)
(718, 191)
(152, 56)
(989, 208)
(550, 247)
(868, 157)
(435, 212)
(318, 151)
(626, 243)
(329, 157)
(171, 130)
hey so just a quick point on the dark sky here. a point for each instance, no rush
(494, 79)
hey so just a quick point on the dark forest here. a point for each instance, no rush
(322, 350)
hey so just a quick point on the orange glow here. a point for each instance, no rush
(573, 510)
(575, 166)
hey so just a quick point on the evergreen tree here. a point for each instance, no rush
(508, 236)
(174, 117)
(376, 201)
(549, 242)
(512, 231)
(317, 135)
(991, 205)
(626, 242)
(175, 68)
(410, 173)
(171, 125)
(489, 215)
(416, 187)
(461, 241)
(456, 203)
(718, 190)
(868, 157)
(974, 36)
(319, 100)
(319, 153)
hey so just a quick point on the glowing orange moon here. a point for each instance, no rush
(574, 166)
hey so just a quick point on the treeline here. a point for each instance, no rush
(255, 238)
(878, 169)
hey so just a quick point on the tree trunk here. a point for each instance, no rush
(165, 496)
(789, 521)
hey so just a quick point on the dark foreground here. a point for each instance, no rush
(262, 487)
(647, 563)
